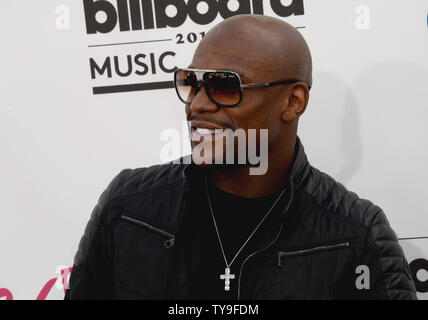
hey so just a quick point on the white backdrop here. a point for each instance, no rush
(366, 123)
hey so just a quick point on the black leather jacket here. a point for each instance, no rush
(132, 247)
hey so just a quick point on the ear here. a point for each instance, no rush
(295, 102)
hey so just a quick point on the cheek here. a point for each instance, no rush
(261, 115)
(255, 114)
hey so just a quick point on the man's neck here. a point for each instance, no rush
(238, 181)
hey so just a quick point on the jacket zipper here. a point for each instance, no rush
(270, 244)
(310, 250)
(167, 243)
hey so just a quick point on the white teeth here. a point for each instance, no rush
(204, 131)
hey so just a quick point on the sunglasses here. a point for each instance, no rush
(224, 88)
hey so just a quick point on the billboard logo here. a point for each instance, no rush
(150, 14)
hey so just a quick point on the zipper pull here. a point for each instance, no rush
(169, 243)
(279, 259)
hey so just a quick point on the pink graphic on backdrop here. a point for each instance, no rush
(5, 294)
(65, 275)
(46, 289)
(48, 286)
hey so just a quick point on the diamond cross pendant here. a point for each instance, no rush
(226, 277)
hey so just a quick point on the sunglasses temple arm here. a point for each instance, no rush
(255, 85)
(268, 84)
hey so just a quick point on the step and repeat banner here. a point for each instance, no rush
(86, 91)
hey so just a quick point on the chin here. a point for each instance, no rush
(204, 156)
(203, 161)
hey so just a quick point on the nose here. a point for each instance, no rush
(202, 103)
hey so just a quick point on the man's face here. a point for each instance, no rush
(256, 110)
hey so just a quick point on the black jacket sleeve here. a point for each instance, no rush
(390, 276)
(92, 276)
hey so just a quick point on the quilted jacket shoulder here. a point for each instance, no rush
(337, 201)
(126, 183)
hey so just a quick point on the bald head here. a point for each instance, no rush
(262, 47)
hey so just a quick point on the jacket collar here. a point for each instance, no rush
(300, 166)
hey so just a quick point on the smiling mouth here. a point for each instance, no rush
(203, 130)
(202, 134)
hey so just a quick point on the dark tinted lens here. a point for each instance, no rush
(186, 85)
(224, 87)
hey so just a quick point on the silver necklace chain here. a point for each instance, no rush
(251, 235)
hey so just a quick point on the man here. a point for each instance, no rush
(214, 231)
